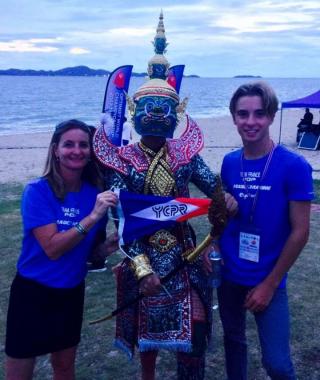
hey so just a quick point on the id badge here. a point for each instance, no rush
(249, 247)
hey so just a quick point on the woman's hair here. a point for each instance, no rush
(263, 90)
(91, 172)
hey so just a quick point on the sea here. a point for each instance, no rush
(36, 104)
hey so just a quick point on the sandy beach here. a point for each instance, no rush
(22, 157)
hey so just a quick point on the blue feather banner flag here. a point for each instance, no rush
(114, 103)
(175, 76)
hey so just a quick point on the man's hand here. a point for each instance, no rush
(150, 285)
(231, 204)
(259, 297)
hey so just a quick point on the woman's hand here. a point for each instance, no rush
(103, 201)
(55, 243)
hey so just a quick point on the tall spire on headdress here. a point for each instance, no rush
(160, 41)
(158, 66)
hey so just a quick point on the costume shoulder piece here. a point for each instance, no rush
(180, 150)
(107, 153)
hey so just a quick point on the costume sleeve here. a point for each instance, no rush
(202, 176)
(299, 184)
(37, 206)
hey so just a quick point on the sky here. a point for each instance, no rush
(222, 38)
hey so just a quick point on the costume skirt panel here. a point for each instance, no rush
(42, 319)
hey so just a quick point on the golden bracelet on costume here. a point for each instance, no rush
(80, 229)
(141, 266)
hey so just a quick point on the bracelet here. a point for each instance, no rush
(141, 266)
(80, 229)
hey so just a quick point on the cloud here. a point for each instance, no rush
(79, 51)
(265, 23)
(130, 32)
(294, 4)
(33, 45)
(210, 37)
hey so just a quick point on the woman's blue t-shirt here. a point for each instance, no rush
(40, 207)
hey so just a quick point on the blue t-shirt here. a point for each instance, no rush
(289, 178)
(40, 207)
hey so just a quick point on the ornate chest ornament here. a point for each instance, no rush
(163, 241)
(159, 179)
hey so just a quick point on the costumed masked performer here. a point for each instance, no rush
(161, 165)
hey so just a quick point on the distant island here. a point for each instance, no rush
(247, 76)
(77, 71)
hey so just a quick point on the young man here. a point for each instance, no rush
(273, 187)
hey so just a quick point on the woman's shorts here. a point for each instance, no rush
(42, 319)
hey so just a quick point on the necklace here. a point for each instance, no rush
(264, 172)
(254, 156)
(147, 150)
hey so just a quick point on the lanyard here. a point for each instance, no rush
(265, 170)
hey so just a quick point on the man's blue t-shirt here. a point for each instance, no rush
(40, 207)
(288, 178)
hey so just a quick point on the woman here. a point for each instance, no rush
(64, 218)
